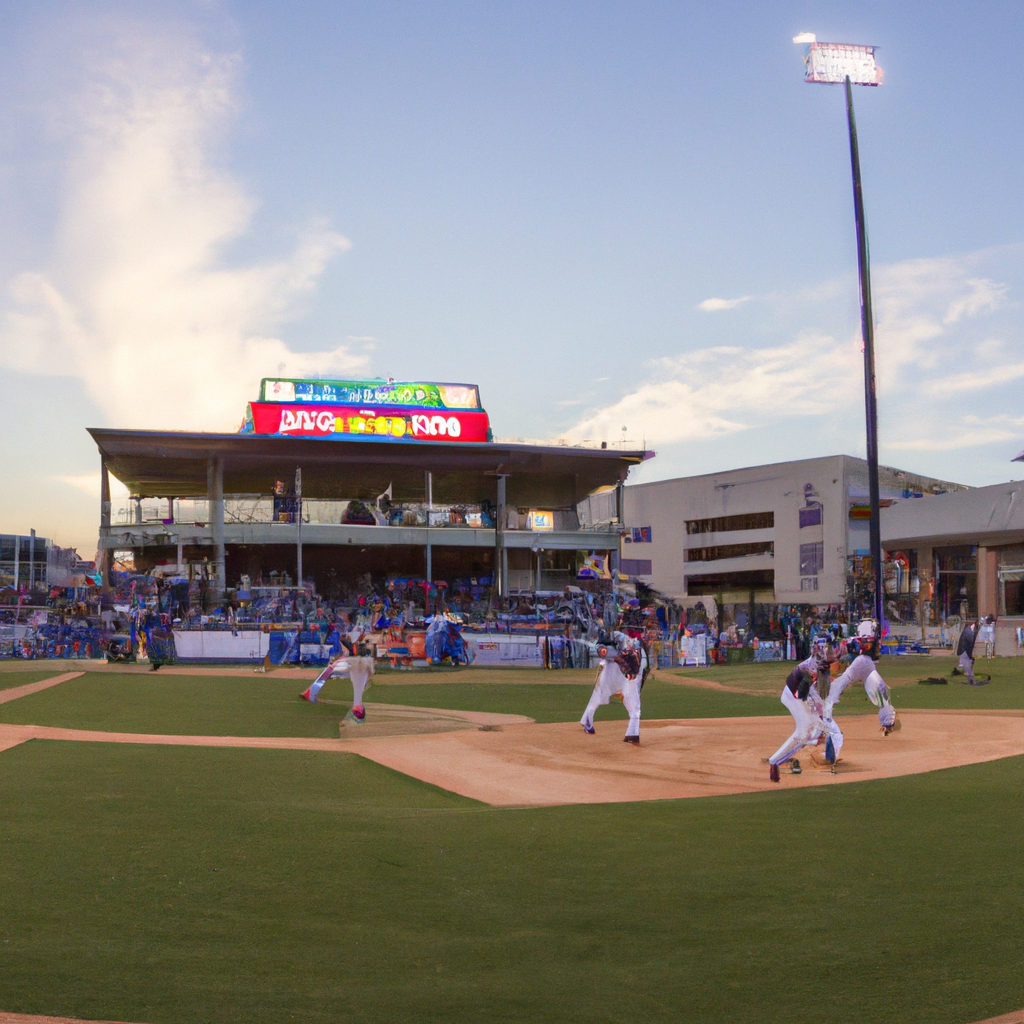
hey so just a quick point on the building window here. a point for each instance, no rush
(810, 517)
(633, 567)
(956, 581)
(1011, 580)
(809, 583)
(764, 547)
(812, 559)
(727, 524)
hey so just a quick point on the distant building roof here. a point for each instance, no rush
(983, 515)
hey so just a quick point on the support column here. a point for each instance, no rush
(215, 496)
(615, 557)
(428, 487)
(298, 526)
(103, 554)
(500, 555)
(17, 562)
(31, 559)
(988, 582)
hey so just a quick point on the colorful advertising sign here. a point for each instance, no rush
(408, 394)
(384, 423)
(540, 521)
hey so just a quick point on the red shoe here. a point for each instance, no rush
(306, 696)
(773, 773)
(359, 712)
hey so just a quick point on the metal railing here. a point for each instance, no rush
(258, 508)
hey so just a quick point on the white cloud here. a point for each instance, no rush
(725, 390)
(928, 314)
(974, 381)
(139, 301)
(717, 305)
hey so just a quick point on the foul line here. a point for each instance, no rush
(23, 691)
(31, 1018)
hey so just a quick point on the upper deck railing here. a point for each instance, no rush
(266, 509)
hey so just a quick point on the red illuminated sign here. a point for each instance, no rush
(381, 422)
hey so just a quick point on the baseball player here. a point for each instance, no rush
(623, 670)
(860, 670)
(802, 699)
(358, 670)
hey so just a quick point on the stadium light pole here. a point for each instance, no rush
(849, 65)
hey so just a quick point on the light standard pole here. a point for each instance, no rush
(848, 65)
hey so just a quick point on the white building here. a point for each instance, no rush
(788, 533)
(960, 556)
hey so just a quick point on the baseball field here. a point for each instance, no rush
(202, 845)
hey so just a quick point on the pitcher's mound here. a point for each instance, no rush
(535, 765)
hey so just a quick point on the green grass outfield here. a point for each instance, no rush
(194, 885)
(268, 706)
(265, 705)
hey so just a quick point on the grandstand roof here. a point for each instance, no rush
(155, 463)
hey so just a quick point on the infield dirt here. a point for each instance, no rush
(508, 761)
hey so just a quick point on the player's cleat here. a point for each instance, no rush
(588, 728)
(359, 712)
(631, 739)
(794, 767)
(306, 696)
(773, 773)
(830, 752)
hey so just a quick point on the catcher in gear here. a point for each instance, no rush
(801, 698)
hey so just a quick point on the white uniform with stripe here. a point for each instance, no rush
(861, 670)
(612, 680)
(808, 719)
(358, 670)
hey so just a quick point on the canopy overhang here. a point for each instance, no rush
(154, 463)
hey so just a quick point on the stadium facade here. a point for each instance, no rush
(355, 478)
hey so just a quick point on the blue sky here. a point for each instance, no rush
(538, 197)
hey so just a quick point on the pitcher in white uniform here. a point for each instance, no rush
(358, 670)
(623, 670)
